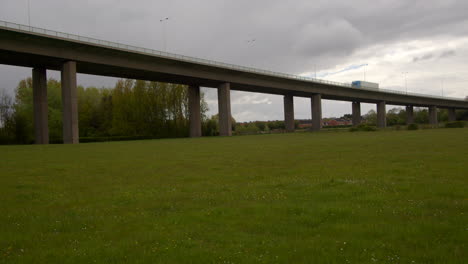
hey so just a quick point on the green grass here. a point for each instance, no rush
(331, 197)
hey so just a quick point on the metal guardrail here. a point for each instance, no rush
(179, 57)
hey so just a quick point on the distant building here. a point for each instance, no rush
(336, 122)
(304, 125)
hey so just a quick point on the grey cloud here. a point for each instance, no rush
(444, 54)
(337, 37)
(423, 58)
(448, 53)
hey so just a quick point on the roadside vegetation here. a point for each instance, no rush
(363, 127)
(456, 124)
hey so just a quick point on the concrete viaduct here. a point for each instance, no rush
(43, 49)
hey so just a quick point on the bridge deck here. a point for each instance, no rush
(35, 47)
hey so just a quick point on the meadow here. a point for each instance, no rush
(326, 197)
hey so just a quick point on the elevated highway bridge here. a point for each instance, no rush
(43, 49)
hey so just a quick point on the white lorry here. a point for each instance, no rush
(363, 84)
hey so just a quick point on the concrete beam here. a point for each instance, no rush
(452, 115)
(409, 115)
(316, 105)
(381, 115)
(194, 111)
(41, 126)
(289, 112)
(433, 116)
(224, 106)
(356, 113)
(69, 103)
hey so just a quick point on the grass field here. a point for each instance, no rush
(331, 197)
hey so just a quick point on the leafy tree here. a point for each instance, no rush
(233, 121)
(6, 108)
(442, 115)
(250, 128)
(371, 117)
(260, 125)
(276, 125)
(421, 116)
(210, 127)
(6, 118)
(396, 116)
(24, 112)
(462, 115)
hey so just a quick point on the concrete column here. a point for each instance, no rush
(452, 116)
(224, 106)
(289, 112)
(409, 115)
(41, 126)
(381, 115)
(356, 113)
(194, 111)
(316, 103)
(69, 103)
(433, 116)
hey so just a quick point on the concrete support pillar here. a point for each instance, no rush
(41, 126)
(452, 116)
(69, 103)
(381, 115)
(289, 112)
(194, 111)
(224, 106)
(409, 115)
(316, 103)
(356, 113)
(433, 116)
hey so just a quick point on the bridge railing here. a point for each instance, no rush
(179, 57)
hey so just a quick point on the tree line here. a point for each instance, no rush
(132, 109)
(397, 116)
(394, 117)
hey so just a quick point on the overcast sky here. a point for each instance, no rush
(332, 40)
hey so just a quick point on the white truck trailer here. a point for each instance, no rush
(363, 84)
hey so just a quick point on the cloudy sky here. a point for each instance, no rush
(376, 40)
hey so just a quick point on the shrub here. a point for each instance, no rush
(362, 127)
(413, 127)
(339, 126)
(456, 124)
(366, 127)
